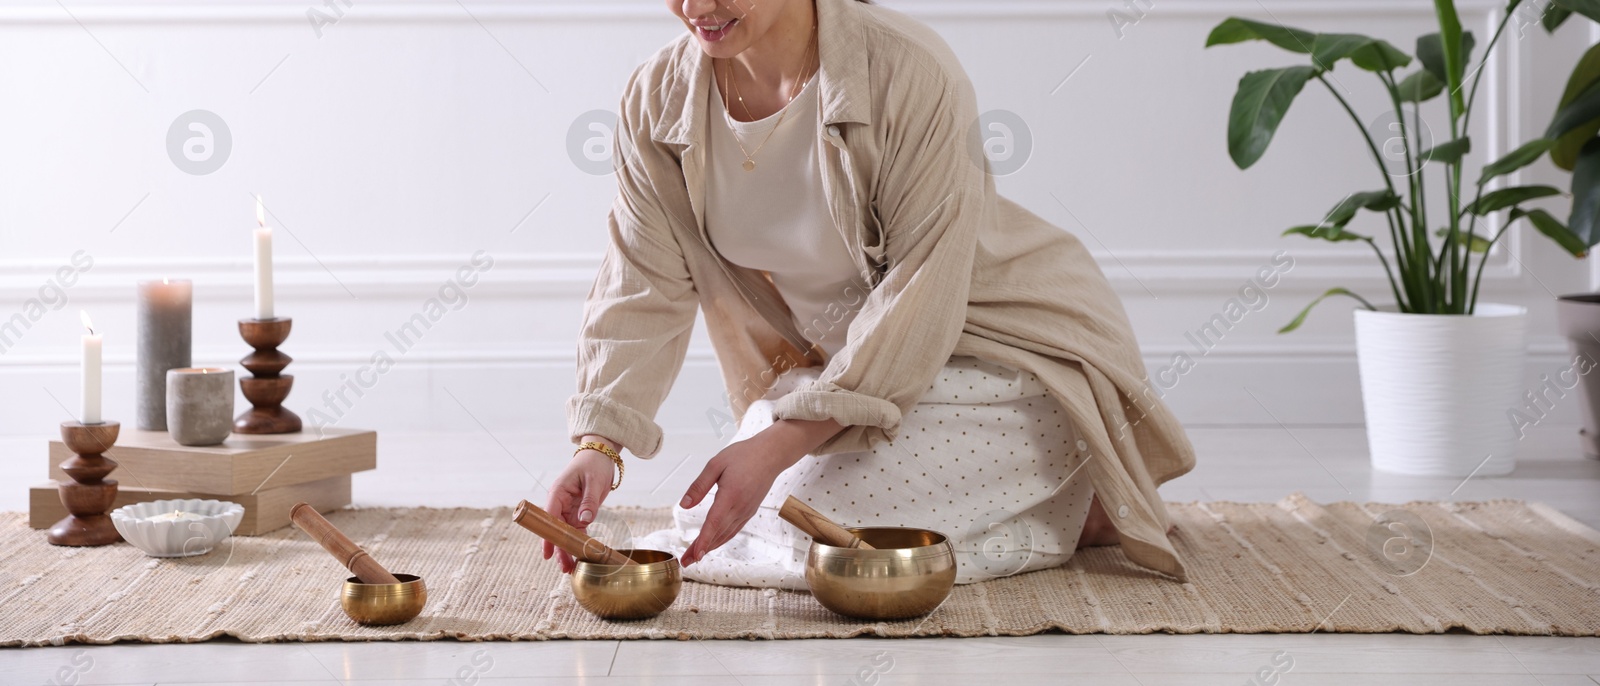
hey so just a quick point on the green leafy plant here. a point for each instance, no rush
(1429, 274)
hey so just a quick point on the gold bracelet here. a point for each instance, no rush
(608, 452)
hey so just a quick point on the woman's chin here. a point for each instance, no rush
(719, 51)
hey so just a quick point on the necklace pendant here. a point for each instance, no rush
(749, 165)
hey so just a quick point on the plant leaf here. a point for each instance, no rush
(1479, 243)
(1553, 18)
(1327, 232)
(1584, 74)
(1448, 152)
(1420, 86)
(1587, 8)
(1366, 52)
(1379, 55)
(1332, 47)
(1430, 51)
(1506, 197)
(1377, 201)
(1454, 50)
(1584, 222)
(1238, 30)
(1554, 229)
(1516, 159)
(1258, 106)
(1582, 109)
(1301, 318)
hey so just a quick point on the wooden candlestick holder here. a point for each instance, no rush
(267, 387)
(90, 494)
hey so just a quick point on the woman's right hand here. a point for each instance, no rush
(576, 495)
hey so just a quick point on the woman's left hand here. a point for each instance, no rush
(743, 474)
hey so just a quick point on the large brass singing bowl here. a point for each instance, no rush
(384, 604)
(628, 591)
(906, 574)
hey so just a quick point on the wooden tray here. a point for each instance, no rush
(264, 511)
(243, 464)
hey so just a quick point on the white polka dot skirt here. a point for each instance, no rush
(987, 457)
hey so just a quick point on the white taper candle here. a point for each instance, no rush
(263, 254)
(90, 373)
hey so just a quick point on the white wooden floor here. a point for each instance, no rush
(1241, 464)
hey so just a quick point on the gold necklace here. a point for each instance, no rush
(749, 157)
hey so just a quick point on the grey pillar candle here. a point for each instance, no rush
(200, 405)
(165, 341)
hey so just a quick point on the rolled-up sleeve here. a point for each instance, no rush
(640, 313)
(929, 199)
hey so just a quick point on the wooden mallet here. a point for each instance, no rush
(340, 546)
(566, 537)
(820, 528)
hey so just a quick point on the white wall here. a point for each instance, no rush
(410, 134)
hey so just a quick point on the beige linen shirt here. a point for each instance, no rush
(952, 267)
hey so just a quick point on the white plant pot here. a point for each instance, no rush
(1437, 389)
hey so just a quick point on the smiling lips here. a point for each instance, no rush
(712, 33)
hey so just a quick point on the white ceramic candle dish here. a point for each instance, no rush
(214, 520)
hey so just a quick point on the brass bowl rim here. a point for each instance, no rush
(409, 583)
(940, 548)
(599, 569)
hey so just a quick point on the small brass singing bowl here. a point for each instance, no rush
(384, 604)
(908, 573)
(635, 591)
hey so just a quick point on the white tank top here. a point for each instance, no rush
(775, 218)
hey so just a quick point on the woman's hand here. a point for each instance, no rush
(743, 474)
(576, 495)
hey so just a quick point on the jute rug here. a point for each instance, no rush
(1503, 567)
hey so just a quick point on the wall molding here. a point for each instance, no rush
(1184, 272)
(532, 274)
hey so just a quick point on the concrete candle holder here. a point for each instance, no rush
(200, 405)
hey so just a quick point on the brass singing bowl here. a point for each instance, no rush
(384, 604)
(629, 591)
(906, 574)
